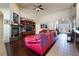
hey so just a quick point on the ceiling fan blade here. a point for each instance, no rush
(41, 8)
(33, 8)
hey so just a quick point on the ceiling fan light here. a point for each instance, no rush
(37, 9)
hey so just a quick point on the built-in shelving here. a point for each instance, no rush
(28, 27)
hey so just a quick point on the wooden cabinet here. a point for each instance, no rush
(14, 32)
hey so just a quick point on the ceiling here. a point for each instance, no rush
(4, 5)
(47, 6)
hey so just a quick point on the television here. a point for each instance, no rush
(28, 28)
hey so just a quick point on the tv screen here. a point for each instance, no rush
(28, 28)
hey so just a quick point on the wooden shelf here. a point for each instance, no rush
(14, 24)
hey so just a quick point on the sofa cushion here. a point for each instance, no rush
(30, 38)
(43, 39)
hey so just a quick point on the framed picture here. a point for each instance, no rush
(15, 17)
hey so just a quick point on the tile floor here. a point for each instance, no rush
(63, 48)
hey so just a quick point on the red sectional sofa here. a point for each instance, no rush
(40, 42)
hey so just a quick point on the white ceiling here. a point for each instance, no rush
(4, 5)
(48, 7)
(27, 5)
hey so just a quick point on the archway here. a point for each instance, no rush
(2, 45)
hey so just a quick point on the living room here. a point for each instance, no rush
(24, 22)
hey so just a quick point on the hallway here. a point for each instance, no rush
(63, 48)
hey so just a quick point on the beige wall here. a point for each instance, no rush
(56, 16)
(6, 27)
(1, 27)
(14, 8)
(2, 46)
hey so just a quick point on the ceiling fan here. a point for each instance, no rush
(38, 8)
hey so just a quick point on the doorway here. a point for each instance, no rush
(2, 46)
(64, 26)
